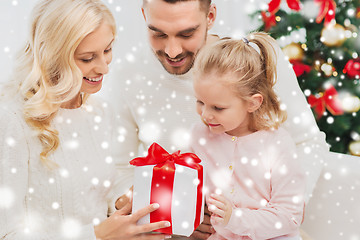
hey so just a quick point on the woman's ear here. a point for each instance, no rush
(255, 102)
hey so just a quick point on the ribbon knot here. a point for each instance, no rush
(173, 156)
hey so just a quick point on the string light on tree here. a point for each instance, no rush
(317, 64)
(350, 28)
(328, 69)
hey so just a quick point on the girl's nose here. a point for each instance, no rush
(206, 115)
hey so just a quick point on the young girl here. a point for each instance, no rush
(255, 183)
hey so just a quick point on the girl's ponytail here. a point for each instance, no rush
(267, 53)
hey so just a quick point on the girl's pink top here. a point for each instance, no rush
(260, 174)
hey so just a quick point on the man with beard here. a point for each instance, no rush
(156, 101)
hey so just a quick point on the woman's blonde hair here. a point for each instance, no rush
(254, 70)
(46, 74)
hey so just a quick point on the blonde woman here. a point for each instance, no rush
(57, 178)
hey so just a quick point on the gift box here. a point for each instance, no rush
(175, 182)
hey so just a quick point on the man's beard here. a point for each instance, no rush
(162, 57)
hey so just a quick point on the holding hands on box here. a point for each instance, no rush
(175, 181)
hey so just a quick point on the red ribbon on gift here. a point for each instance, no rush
(327, 11)
(163, 181)
(327, 100)
(274, 5)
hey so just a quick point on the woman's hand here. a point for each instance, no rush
(220, 208)
(120, 226)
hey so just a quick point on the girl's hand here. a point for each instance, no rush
(120, 226)
(220, 208)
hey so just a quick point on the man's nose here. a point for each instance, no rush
(173, 48)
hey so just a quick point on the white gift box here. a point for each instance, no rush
(181, 202)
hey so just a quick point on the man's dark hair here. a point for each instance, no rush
(204, 4)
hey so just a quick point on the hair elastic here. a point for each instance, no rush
(253, 45)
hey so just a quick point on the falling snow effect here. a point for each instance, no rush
(72, 144)
(336, 195)
(181, 138)
(71, 229)
(7, 197)
(11, 142)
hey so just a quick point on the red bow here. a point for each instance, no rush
(300, 68)
(327, 11)
(274, 5)
(163, 175)
(269, 20)
(327, 99)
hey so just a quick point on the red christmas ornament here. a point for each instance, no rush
(358, 12)
(328, 100)
(300, 68)
(327, 11)
(274, 5)
(352, 68)
(269, 20)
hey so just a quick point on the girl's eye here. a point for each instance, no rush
(108, 50)
(199, 102)
(218, 108)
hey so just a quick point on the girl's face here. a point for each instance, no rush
(219, 106)
(93, 55)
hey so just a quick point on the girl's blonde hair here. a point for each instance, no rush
(47, 75)
(255, 73)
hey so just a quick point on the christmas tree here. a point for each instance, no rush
(321, 40)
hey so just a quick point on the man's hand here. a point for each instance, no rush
(124, 200)
(205, 229)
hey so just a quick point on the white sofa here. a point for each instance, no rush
(333, 211)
